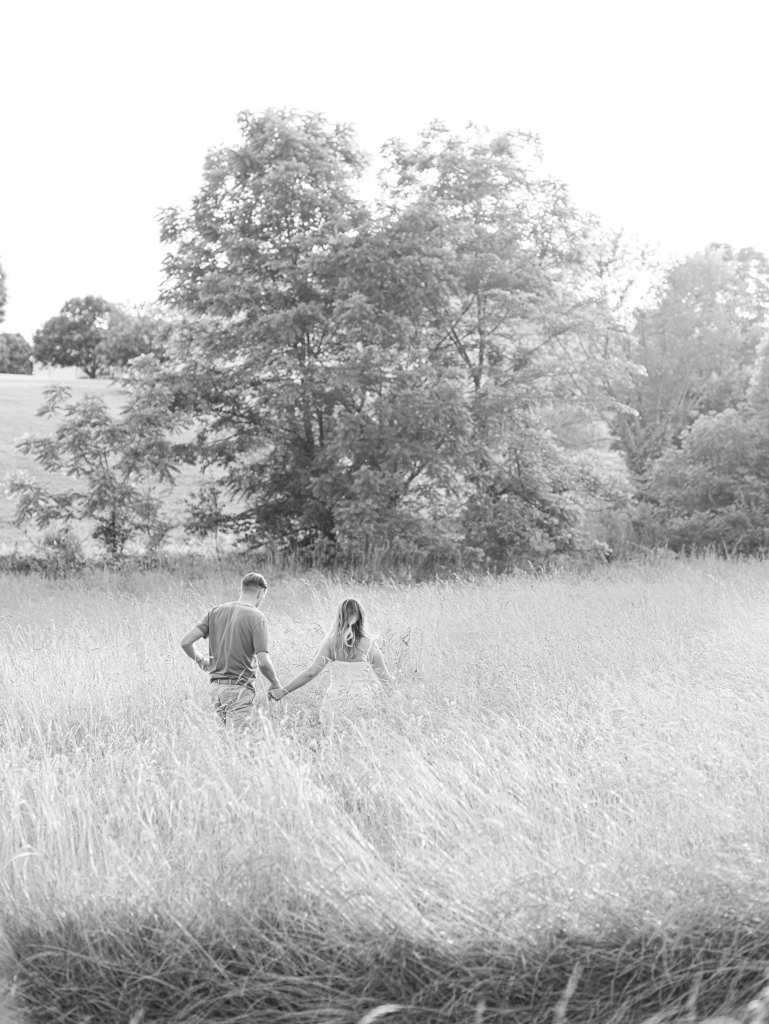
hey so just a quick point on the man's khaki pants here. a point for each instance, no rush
(233, 703)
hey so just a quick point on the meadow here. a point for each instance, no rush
(565, 787)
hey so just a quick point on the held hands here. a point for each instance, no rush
(204, 664)
(276, 693)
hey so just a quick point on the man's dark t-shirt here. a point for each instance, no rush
(236, 632)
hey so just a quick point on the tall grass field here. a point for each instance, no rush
(560, 812)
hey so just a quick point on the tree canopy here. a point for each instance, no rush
(369, 374)
(15, 354)
(97, 336)
(698, 344)
(73, 337)
(463, 369)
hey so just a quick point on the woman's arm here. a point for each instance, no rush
(304, 677)
(378, 664)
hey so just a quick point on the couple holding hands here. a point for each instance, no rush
(239, 648)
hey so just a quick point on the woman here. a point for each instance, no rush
(352, 654)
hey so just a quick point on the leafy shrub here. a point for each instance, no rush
(713, 491)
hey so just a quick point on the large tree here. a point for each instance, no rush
(697, 344)
(712, 489)
(518, 302)
(15, 354)
(74, 337)
(373, 376)
(264, 361)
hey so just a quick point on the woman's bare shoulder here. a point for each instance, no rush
(326, 650)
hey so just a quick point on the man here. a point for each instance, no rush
(237, 633)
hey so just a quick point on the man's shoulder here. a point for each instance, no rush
(242, 610)
(221, 607)
(249, 611)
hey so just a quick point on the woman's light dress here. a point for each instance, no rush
(352, 693)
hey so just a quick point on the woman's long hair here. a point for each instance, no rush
(349, 628)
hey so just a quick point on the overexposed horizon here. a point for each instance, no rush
(653, 114)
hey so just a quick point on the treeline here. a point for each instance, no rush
(98, 337)
(463, 371)
(15, 353)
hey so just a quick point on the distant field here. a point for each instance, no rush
(569, 774)
(20, 398)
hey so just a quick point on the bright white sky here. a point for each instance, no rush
(654, 112)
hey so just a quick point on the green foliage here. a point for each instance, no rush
(120, 462)
(697, 435)
(62, 551)
(713, 491)
(369, 376)
(96, 336)
(697, 345)
(15, 354)
(131, 333)
(73, 337)
(58, 553)
(3, 294)
(206, 515)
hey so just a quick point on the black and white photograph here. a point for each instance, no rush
(384, 512)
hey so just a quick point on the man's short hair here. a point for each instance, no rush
(253, 581)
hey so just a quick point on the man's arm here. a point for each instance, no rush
(187, 646)
(267, 669)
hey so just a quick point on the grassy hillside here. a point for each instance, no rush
(20, 398)
(568, 781)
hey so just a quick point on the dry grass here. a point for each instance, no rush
(570, 770)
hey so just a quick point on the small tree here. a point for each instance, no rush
(206, 515)
(15, 354)
(122, 463)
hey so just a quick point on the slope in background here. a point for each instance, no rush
(20, 398)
